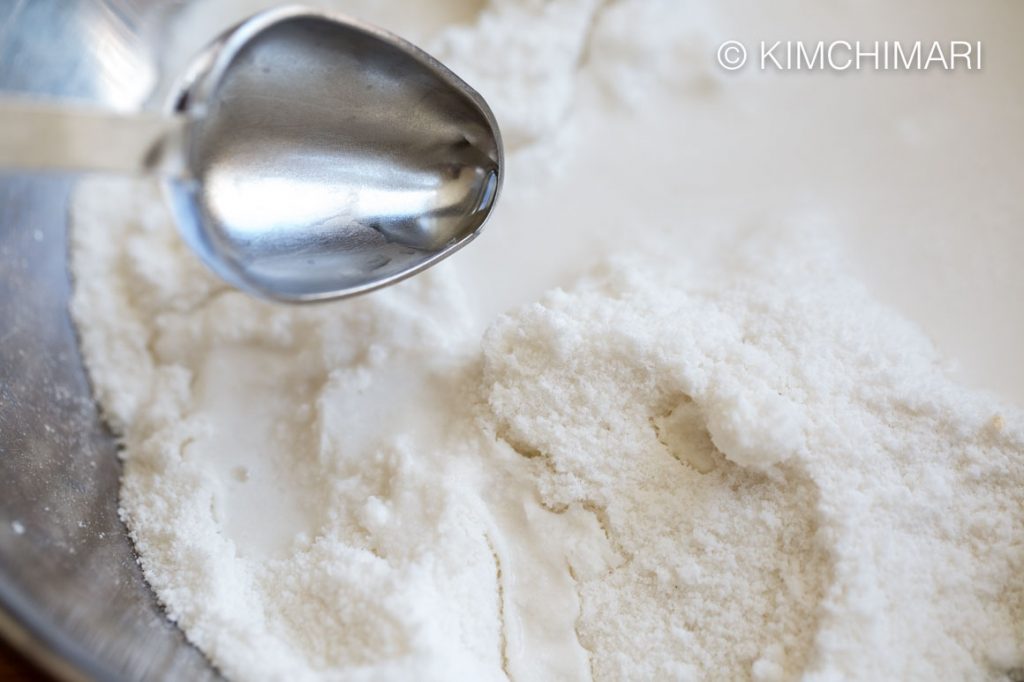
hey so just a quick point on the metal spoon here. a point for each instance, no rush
(306, 156)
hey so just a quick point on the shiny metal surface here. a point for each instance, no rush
(308, 156)
(71, 593)
(327, 158)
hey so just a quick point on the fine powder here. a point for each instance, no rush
(731, 463)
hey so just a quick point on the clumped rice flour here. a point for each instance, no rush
(714, 460)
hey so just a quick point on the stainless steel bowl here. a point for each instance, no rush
(71, 594)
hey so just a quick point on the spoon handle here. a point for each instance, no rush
(43, 136)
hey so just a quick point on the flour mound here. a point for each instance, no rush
(790, 482)
(746, 469)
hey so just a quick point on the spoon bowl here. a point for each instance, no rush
(325, 158)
